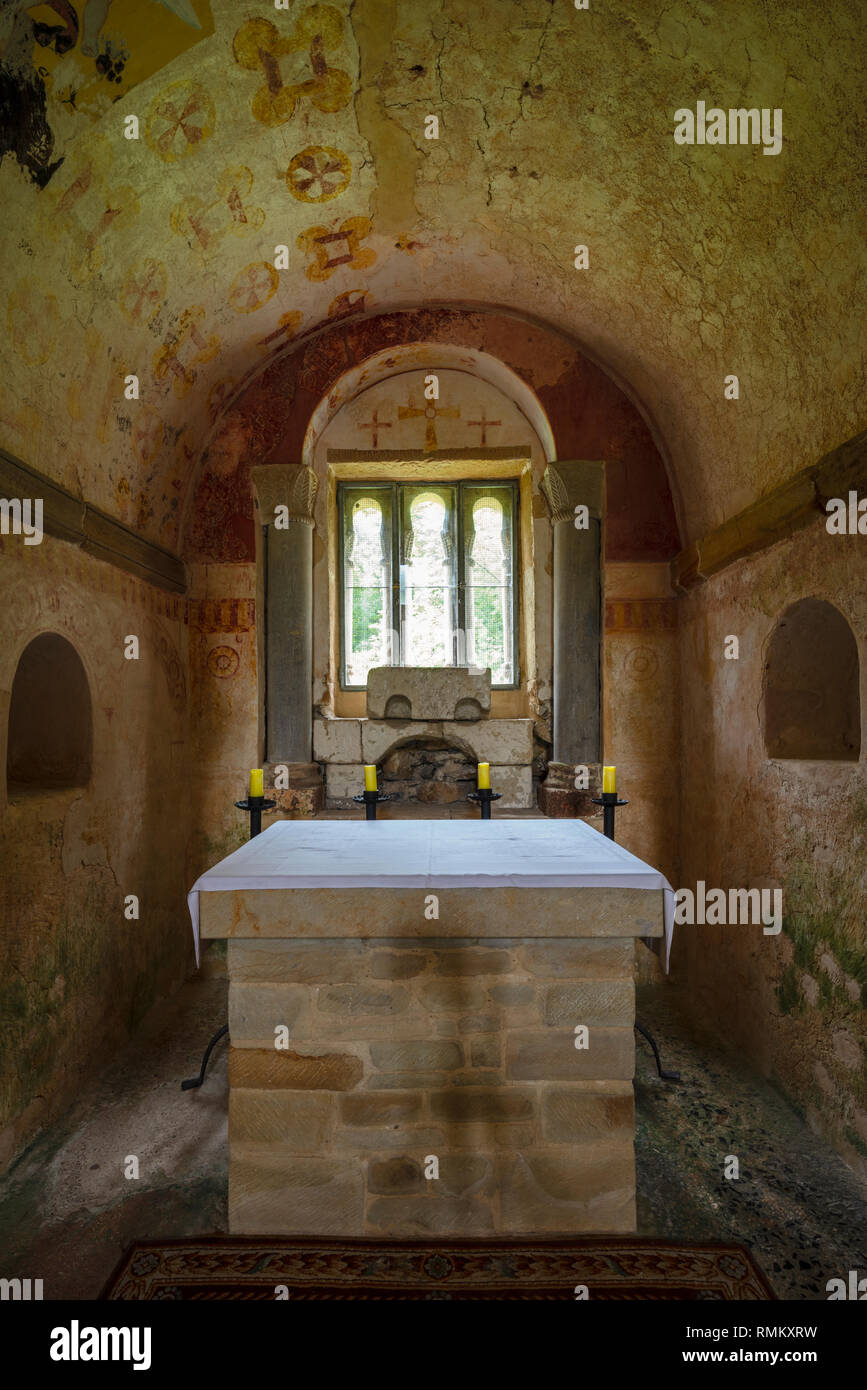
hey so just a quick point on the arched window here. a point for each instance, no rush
(367, 570)
(428, 577)
(811, 685)
(489, 588)
(428, 580)
(50, 741)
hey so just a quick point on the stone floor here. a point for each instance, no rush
(67, 1211)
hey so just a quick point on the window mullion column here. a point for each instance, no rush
(397, 593)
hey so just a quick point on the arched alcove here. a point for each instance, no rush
(50, 742)
(811, 685)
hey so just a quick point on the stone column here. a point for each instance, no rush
(568, 485)
(284, 496)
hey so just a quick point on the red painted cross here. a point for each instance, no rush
(376, 425)
(484, 422)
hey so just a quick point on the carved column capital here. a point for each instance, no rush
(569, 483)
(284, 485)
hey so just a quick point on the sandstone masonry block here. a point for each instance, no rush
(422, 1055)
(478, 1023)
(343, 781)
(430, 1215)
(583, 1191)
(488, 1106)
(363, 999)
(464, 1175)
(496, 741)
(273, 1191)
(267, 1069)
(394, 1176)
(481, 961)
(310, 962)
(396, 965)
(515, 785)
(609, 1003)
(369, 1108)
(487, 1052)
(409, 1080)
(255, 1010)
(582, 960)
(571, 1115)
(337, 740)
(302, 1122)
(511, 994)
(452, 995)
(552, 1056)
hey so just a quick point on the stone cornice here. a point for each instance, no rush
(789, 507)
(72, 519)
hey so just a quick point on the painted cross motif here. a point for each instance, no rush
(287, 326)
(318, 174)
(167, 360)
(429, 413)
(375, 424)
(181, 118)
(203, 222)
(349, 302)
(486, 424)
(258, 47)
(94, 208)
(33, 321)
(316, 241)
(143, 292)
(253, 286)
(147, 435)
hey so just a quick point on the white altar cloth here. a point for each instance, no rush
(432, 854)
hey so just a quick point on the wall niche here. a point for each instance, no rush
(50, 744)
(811, 685)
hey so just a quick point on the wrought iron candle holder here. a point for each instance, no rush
(255, 805)
(609, 801)
(370, 801)
(484, 796)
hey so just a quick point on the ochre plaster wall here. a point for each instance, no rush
(795, 1002)
(77, 975)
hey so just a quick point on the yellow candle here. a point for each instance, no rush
(609, 779)
(370, 777)
(256, 782)
(484, 783)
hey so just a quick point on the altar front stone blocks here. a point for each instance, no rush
(406, 1049)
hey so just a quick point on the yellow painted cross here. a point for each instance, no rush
(430, 413)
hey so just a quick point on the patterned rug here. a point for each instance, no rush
(612, 1268)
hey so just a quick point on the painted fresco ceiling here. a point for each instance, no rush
(304, 126)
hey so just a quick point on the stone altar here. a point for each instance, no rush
(430, 976)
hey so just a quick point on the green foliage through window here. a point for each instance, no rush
(428, 577)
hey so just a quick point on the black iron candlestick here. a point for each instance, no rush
(484, 796)
(255, 805)
(370, 801)
(609, 801)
